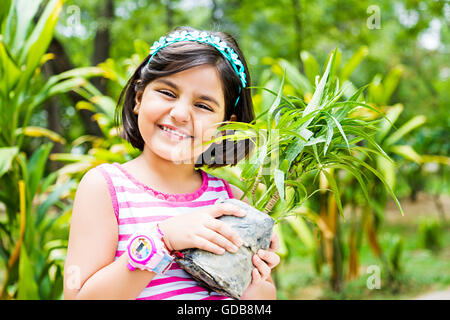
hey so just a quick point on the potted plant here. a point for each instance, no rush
(292, 139)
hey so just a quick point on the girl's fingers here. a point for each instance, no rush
(225, 230)
(274, 243)
(227, 209)
(256, 276)
(218, 240)
(270, 258)
(262, 267)
(202, 243)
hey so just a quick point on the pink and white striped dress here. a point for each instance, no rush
(139, 207)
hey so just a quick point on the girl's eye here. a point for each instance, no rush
(172, 95)
(204, 106)
(167, 93)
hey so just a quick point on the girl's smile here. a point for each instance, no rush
(173, 132)
(177, 113)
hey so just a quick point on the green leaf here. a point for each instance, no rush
(35, 168)
(310, 66)
(27, 288)
(357, 93)
(69, 157)
(52, 199)
(25, 11)
(275, 105)
(38, 42)
(9, 70)
(407, 152)
(378, 175)
(352, 63)
(278, 177)
(4, 9)
(330, 130)
(6, 157)
(412, 124)
(303, 232)
(334, 187)
(375, 90)
(390, 82)
(284, 166)
(386, 123)
(338, 125)
(387, 169)
(314, 103)
(335, 57)
(295, 78)
(357, 174)
(297, 146)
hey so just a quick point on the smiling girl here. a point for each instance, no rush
(129, 220)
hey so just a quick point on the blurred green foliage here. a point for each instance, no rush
(399, 47)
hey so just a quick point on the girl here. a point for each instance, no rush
(176, 99)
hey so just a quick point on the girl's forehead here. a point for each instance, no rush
(201, 80)
(206, 73)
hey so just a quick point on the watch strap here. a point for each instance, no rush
(164, 264)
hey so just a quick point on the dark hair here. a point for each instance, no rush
(181, 56)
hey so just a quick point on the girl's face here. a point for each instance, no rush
(191, 103)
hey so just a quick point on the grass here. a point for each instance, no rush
(422, 270)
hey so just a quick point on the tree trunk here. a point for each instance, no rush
(354, 245)
(440, 208)
(297, 8)
(337, 259)
(214, 8)
(328, 211)
(60, 64)
(102, 42)
(169, 14)
(53, 106)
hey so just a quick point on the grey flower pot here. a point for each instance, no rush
(230, 273)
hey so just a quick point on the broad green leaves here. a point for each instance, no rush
(26, 31)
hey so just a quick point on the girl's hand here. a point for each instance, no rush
(262, 286)
(201, 229)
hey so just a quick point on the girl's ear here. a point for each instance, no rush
(137, 101)
(232, 118)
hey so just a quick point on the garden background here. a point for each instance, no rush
(63, 64)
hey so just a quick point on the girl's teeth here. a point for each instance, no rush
(174, 132)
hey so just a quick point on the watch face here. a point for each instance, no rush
(141, 248)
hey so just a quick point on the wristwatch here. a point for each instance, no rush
(146, 251)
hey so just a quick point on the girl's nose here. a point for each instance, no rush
(180, 112)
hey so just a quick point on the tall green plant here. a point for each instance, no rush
(391, 138)
(295, 140)
(32, 266)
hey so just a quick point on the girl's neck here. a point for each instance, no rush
(163, 174)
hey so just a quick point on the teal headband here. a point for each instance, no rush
(203, 37)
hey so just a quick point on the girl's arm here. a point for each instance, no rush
(90, 271)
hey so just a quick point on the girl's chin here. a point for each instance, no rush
(176, 155)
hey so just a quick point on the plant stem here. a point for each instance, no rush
(16, 251)
(257, 180)
(273, 200)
